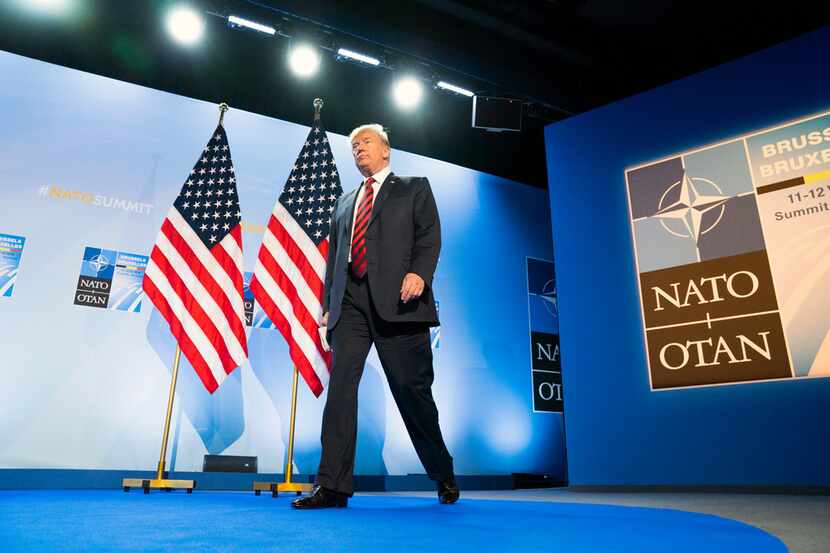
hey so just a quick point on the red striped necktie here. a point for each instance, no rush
(361, 223)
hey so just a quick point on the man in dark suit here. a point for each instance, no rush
(383, 250)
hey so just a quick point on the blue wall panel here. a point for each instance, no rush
(618, 431)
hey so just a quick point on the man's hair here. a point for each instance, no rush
(375, 128)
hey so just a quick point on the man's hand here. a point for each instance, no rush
(325, 320)
(412, 287)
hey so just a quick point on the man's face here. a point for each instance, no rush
(370, 153)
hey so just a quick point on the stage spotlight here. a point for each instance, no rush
(457, 89)
(304, 60)
(240, 22)
(342, 52)
(407, 92)
(185, 25)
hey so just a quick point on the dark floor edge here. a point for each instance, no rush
(41, 479)
(766, 490)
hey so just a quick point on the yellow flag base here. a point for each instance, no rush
(158, 484)
(284, 487)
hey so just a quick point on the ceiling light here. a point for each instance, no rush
(457, 89)
(240, 22)
(407, 92)
(358, 57)
(304, 60)
(185, 25)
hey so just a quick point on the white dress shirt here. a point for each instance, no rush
(379, 177)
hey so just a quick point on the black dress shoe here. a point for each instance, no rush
(448, 491)
(321, 498)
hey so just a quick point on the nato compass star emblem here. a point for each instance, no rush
(99, 263)
(684, 217)
(548, 296)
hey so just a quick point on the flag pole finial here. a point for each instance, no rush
(318, 105)
(223, 107)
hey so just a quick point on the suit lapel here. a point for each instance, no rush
(385, 189)
(348, 212)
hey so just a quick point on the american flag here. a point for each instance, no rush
(291, 266)
(194, 276)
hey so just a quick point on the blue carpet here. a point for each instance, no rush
(62, 521)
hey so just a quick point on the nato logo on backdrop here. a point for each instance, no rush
(543, 312)
(111, 279)
(730, 242)
(255, 316)
(11, 250)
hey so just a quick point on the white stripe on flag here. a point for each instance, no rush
(298, 332)
(197, 289)
(302, 240)
(206, 258)
(304, 292)
(190, 326)
(232, 249)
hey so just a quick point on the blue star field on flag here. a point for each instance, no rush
(313, 186)
(209, 201)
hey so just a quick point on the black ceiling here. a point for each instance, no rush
(561, 57)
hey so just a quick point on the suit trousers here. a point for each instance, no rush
(406, 357)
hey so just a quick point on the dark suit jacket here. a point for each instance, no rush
(404, 236)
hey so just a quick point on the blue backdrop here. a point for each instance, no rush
(618, 431)
(89, 162)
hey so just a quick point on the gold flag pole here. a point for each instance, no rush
(288, 485)
(160, 482)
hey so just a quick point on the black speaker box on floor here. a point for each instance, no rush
(229, 463)
(522, 480)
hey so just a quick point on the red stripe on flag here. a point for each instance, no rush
(228, 263)
(213, 288)
(306, 319)
(195, 309)
(236, 233)
(294, 350)
(296, 255)
(190, 351)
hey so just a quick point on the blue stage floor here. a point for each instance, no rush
(107, 520)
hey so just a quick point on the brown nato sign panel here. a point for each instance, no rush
(732, 244)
